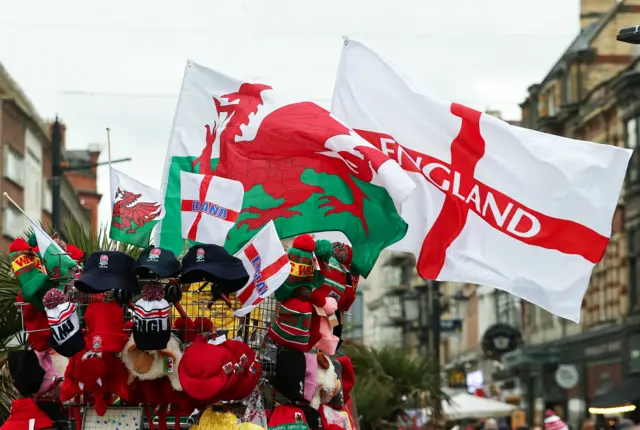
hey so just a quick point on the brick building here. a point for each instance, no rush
(25, 171)
(587, 95)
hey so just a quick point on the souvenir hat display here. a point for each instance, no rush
(108, 270)
(157, 262)
(212, 263)
(159, 332)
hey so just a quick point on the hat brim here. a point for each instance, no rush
(158, 270)
(200, 388)
(228, 277)
(99, 283)
(71, 347)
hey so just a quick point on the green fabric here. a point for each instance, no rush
(385, 225)
(30, 274)
(55, 259)
(287, 290)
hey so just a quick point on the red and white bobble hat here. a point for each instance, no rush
(553, 422)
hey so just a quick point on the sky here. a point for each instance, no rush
(119, 64)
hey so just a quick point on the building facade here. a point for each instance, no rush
(25, 172)
(588, 94)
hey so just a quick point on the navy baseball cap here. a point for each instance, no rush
(157, 262)
(213, 263)
(108, 270)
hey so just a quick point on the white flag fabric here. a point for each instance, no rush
(210, 206)
(527, 212)
(268, 267)
(135, 209)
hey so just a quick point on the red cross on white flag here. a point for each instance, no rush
(495, 204)
(210, 207)
(268, 267)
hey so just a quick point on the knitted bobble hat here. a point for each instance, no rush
(302, 267)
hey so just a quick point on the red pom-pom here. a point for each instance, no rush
(75, 252)
(19, 245)
(549, 413)
(53, 298)
(305, 242)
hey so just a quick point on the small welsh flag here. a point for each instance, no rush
(136, 209)
(57, 261)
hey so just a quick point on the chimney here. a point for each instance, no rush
(63, 132)
(593, 10)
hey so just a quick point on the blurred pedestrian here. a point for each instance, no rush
(491, 424)
(553, 422)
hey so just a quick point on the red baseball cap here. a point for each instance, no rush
(205, 369)
(246, 374)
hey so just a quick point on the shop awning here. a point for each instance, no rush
(626, 394)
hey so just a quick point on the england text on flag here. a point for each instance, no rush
(495, 204)
(267, 264)
(210, 206)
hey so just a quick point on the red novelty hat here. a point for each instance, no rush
(205, 369)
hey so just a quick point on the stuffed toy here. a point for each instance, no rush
(150, 365)
(328, 382)
(292, 327)
(100, 374)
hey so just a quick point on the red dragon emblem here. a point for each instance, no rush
(289, 141)
(132, 215)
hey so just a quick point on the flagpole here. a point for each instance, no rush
(33, 223)
(109, 146)
(6, 196)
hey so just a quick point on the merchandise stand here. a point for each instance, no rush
(196, 313)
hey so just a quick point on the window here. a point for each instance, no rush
(13, 165)
(354, 320)
(47, 199)
(632, 143)
(13, 222)
(551, 107)
(568, 90)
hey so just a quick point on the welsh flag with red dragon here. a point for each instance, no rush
(299, 167)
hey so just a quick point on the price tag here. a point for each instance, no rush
(218, 340)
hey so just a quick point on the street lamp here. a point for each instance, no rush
(629, 35)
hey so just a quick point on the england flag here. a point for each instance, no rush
(268, 267)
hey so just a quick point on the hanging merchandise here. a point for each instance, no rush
(150, 365)
(209, 208)
(30, 272)
(25, 371)
(151, 327)
(156, 262)
(36, 325)
(100, 375)
(295, 417)
(105, 327)
(66, 334)
(296, 375)
(212, 263)
(108, 270)
(344, 254)
(52, 373)
(292, 327)
(328, 382)
(205, 370)
(265, 260)
(25, 414)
